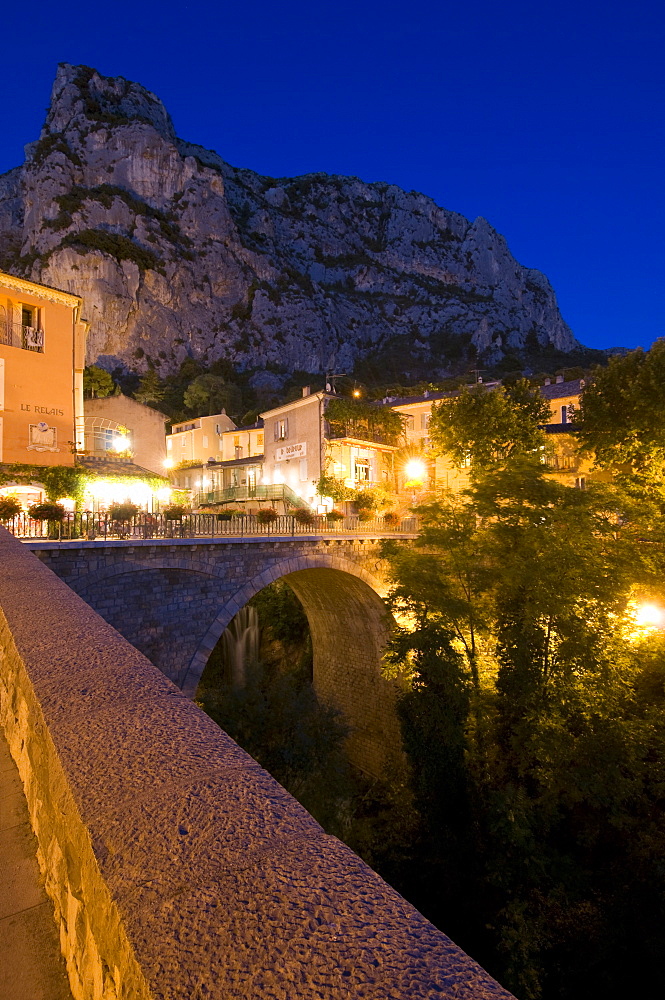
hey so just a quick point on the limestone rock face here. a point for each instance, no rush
(177, 253)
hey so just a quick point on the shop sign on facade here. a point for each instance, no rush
(288, 451)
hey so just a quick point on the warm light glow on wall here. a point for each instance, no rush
(104, 492)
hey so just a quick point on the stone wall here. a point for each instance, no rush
(177, 867)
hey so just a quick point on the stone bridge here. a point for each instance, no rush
(176, 867)
(172, 600)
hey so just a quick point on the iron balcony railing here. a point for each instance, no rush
(91, 527)
(28, 338)
(231, 494)
(359, 431)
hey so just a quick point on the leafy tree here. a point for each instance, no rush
(444, 579)
(622, 413)
(535, 776)
(360, 419)
(489, 425)
(97, 383)
(150, 390)
(209, 394)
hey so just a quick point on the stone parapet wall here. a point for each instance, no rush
(177, 867)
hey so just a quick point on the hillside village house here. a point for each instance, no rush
(564, 463)
(561, 455)
(302, 445)
(437, 469)
(42, 356)
(197, 440)
(117, 426)
(281, 459)
(210, 454)
(44, 419)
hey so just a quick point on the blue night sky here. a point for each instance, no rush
(547, 119)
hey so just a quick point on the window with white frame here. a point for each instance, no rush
(362, 470)
(282, 429)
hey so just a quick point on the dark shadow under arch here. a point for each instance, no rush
(349, 625)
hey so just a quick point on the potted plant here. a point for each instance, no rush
(47, 511)
(123, 511)
(391, 518)
(365, 514)
(9, 508)
(267, 516)
(303, 515)
(334, 515)
(365, 500)
(225, 515)
(175, 512)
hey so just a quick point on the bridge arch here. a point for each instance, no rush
(349, 626)
(173, 602)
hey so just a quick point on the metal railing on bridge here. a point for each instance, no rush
(93, 527)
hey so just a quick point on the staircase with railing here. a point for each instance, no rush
(238, 494)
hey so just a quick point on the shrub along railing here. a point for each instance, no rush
(101, 526)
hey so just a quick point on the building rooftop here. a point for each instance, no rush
(115, 467)
(14, 279)
(559, 389)
(248, 427)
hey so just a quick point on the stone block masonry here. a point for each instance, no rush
(176, 866)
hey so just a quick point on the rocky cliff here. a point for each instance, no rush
(177, 253)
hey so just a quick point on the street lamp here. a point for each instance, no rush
(415, 472)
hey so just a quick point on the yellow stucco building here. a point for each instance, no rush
(42, 355)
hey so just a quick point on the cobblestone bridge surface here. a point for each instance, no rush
(172, 599)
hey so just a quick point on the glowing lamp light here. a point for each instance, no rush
(120, 443)
(649, 617)
(168, 463)
(644, 618)
(164, 495)
(67, 502)
(414, 471)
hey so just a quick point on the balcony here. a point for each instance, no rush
(234, 494)
(361, 433)
(26, 338)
